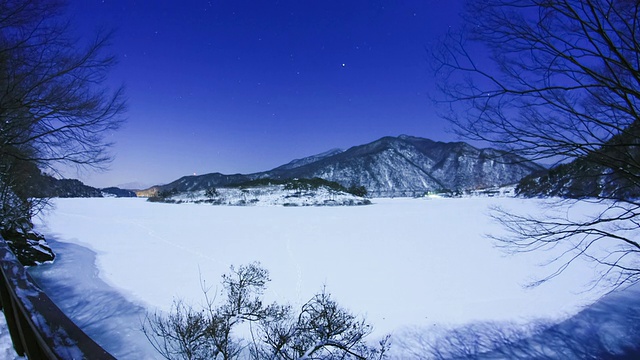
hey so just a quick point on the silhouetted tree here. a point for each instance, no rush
(179, 335)
(556, 80)
(54, 107)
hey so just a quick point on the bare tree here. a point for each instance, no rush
(185, 333)
(16, 193)
(180, 335)
(322, 329)
(52, 98)
(55, 108)
(328, 331)
(557, 80)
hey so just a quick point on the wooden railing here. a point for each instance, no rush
(38, 328)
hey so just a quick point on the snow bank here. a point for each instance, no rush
(399, 262)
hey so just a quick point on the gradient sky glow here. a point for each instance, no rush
(240, 86)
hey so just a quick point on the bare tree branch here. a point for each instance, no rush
(55, 106)
(562, 83)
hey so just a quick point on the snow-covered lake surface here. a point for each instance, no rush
(401, 263)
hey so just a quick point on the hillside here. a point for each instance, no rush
(610, 171)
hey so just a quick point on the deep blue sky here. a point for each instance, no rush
(244, 86)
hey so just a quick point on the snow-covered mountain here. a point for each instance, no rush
(390, 166)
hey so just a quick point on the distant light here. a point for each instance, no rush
(343, 64)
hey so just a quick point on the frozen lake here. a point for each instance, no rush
(401, 263)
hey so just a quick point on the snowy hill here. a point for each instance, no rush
(271, 196)
(313, 192)
(390, 166)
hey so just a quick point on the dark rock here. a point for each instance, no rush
(30, 248)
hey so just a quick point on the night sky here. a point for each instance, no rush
(244, 86)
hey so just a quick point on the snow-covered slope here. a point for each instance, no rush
(308, 160)
(405, 165)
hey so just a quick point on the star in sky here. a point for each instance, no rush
(255, 68)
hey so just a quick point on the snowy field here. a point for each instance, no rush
(401, 263)
(6, 346)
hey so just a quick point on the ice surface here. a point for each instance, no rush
(399, 262)
(103, 313)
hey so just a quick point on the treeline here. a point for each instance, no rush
(303, 184)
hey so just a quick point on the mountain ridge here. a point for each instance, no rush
(390, 166)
